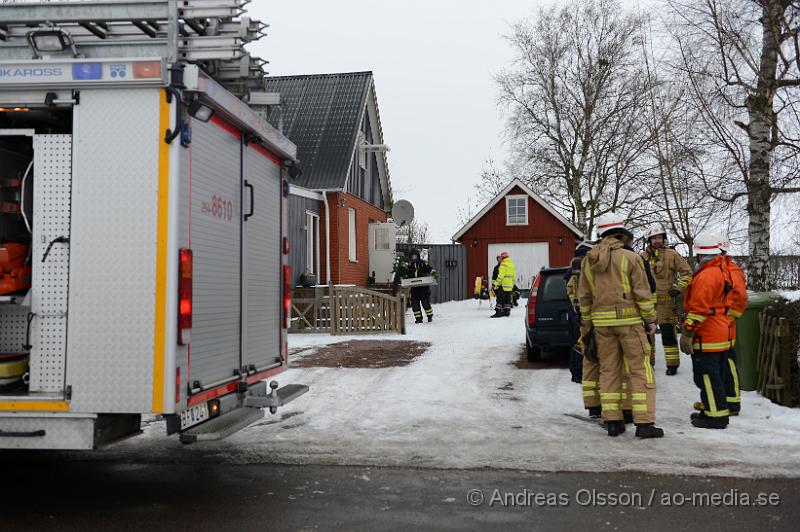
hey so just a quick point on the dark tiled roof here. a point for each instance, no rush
(322, 114)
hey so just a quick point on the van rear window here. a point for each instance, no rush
(553, 288)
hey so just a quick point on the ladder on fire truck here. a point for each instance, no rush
(209, 33)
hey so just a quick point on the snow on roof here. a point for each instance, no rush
(503, 193)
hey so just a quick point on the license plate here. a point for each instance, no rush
(194, 415)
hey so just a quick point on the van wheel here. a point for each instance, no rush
(534, 353)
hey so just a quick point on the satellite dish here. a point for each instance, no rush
(402, 212)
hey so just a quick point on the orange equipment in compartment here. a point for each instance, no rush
(14, 274)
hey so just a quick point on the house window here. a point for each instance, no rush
(352, 234)
(516, 210)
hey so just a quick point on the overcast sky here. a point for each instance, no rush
(434, 63)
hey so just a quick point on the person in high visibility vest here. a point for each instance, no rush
(616, 306)
(707, 332)
(672, 275)
(504, 285)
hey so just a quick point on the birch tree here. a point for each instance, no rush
(741, 60)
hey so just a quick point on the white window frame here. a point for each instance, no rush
(351, 235)
(508, 212)
(312, 242)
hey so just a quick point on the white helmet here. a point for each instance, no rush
(707, 244)
(611, 222)
(654, 230)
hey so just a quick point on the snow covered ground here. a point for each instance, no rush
(464, 404)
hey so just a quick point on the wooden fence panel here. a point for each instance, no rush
(349, 310)
(774, 373)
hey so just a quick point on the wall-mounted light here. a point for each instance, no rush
(200, 111)
(474, 243)
(560, 240)
(50, 40)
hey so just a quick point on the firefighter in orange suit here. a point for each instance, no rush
(707, 331)
(737, 304)
(672, 274)
(616, 306)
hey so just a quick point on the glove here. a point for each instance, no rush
(687, 339)
(674, 292)
(589, 346)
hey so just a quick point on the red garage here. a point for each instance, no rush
(518, 221)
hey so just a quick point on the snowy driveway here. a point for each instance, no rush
(464, 404)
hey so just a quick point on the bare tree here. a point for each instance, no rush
(741, 59)
(576, 97)
(415, 232)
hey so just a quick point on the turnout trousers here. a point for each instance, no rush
(591, 386)
(730, 379)
(624, 350)
(708, 368)
(420, 302)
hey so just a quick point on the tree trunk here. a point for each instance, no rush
(762, 118)
(758, 208)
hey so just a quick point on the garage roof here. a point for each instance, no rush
(503, 193)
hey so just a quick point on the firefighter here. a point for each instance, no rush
(616, 307)
(504, 285)
(420, 295)
(707, 332)
(672, 274)
(589, 367)
(737, 304)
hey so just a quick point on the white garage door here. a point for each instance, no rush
(528, 257)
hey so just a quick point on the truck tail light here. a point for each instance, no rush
(185, 297)
(532, 301)
(287, 293)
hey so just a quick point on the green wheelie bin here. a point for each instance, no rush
(748, 332)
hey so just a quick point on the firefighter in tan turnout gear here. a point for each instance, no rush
(590, 368)
(672, 274)
(616, 305)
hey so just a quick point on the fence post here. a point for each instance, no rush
(334, 311)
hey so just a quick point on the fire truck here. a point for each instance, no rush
(143, 253)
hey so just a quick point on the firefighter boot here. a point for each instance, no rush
(418, 320)
(649, 430)
(627, 416)
(672, 370)
(595, 412)
(615, 428)
(498, 313)
(705, 422)
(430, 319)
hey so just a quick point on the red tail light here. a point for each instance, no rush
(185, 297)
(532, 301)
(287, 293)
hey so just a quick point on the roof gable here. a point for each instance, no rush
(512, 186)
(322, 114)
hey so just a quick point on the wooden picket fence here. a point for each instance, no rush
(348, 310)
(774, 349)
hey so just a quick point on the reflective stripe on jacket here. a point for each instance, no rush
(613, 288)
(706, 306)
(506, 275)
(669, 269)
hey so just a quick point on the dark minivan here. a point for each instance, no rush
(550, 322)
